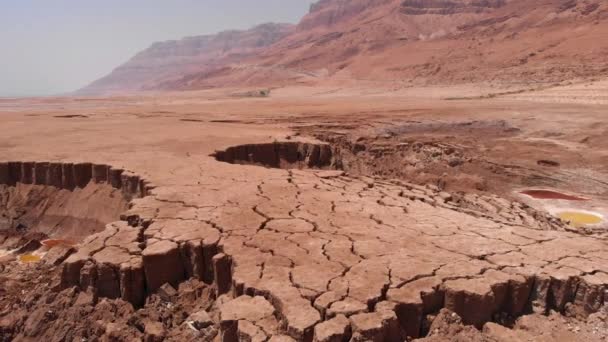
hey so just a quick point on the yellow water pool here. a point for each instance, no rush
(580, 219)
(29, 258)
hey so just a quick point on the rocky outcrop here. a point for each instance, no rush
(125, 261)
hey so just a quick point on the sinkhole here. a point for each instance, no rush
(282, 155)
(44, 205)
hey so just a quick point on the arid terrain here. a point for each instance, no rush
(323, 214)
(383, 170)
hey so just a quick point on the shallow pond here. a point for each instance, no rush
(580, 218)
(29, 258)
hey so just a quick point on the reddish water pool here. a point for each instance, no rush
(56, 242)
(548, 194)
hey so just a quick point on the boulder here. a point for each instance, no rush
(200, 320)
(167, 292)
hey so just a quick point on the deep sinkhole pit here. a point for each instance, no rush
(82, 217)
(282, 155)
(44, 205)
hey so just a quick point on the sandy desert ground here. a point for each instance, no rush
(326, 214)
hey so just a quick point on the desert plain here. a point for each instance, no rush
(300, 213)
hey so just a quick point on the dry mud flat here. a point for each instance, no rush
(212, 248)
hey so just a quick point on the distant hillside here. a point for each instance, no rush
(172, 59)
(404, 41)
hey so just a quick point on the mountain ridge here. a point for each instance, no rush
(414, 42)
(169, 59)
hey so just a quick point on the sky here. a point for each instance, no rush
(50, 47)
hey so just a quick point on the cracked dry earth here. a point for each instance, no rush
(214, 251)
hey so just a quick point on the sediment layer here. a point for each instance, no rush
(70, 176)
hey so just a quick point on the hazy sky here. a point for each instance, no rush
(57, 46)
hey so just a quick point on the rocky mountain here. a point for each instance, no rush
(168, 60)
(413, 42)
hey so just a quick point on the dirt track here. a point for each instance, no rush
(426, 217)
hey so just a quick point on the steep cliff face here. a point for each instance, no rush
(326, 13)
(168, 60)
